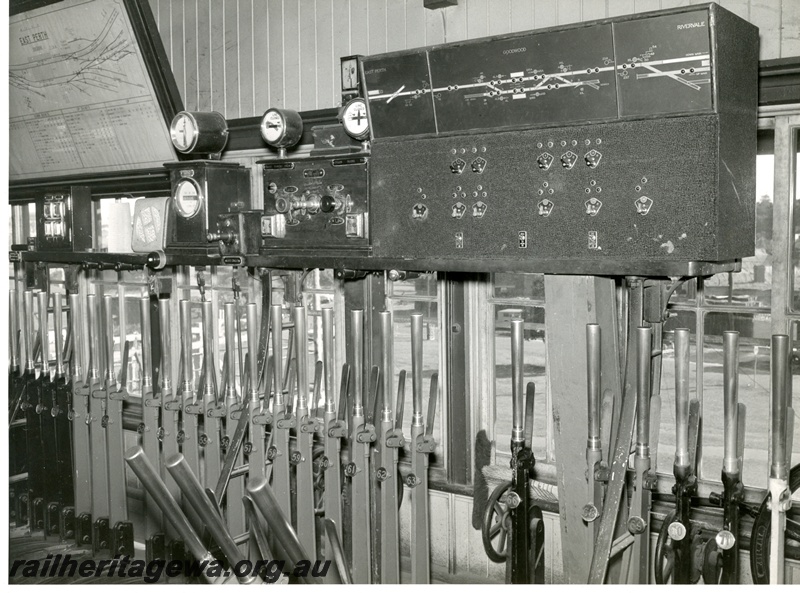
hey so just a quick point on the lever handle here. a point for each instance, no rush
(58, 326)
(730, 371)
(344, 392)
(530, 395)
(108, 312)
(401, 400)
(44, 332)
(147, 353)
(643, 360)
(276, 313)
(682, 397)
(517, 381)
(593, 384)
(432, 404)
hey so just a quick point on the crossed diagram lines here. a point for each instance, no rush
(517, 83)
(93, 66)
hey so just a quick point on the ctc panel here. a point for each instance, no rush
(618, 146)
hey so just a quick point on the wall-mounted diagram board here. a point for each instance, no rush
(90, 90)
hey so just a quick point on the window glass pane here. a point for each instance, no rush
(796, 228)
(533, 370)
(401, 317)
(751, 286)
(425, 285)
(754, 379)
(115, 225)
(686, 292)
(665, 451)
(518, 286)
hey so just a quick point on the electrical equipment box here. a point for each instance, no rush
(316, 204)
(605, 147)
(64, 220)
(202, 190)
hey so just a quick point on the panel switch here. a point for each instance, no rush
(592, 158)
(355, 225)
(478, 165)
(643, 205)
(568, 159)
(593, 206)
(458, 210)
(457, 166)
(545, 160)
(479, 209)
(273, 225)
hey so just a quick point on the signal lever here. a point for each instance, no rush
(674, 546)
(721, 557)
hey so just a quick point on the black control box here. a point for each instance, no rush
(202, 190)
(605, 147)
(317, 205)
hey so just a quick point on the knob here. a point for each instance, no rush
(327, 204)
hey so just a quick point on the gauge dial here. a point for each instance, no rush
(187, 198)
(354, 119)
(199, 131)
(184, 131)
(281, 128)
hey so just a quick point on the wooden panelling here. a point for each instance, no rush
(240, 57)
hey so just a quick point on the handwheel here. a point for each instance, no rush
(712, 563)
(496, 525)
(760, 536)
(665, 552)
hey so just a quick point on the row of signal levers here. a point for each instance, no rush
(298, 469)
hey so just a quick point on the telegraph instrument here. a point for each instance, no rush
(202, 190)
(315, 203)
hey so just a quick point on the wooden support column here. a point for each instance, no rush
(572, 302)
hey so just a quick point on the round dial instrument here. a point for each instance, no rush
(199, 131)
(354, 119)
(281, 128)
(187, 198)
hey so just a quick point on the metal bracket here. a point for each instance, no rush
(101, 535)
(83, 529)
(122, 539)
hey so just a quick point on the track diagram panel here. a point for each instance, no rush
(80, 98)
(664, 64)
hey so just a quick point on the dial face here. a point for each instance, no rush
(354, 119)
(273, 127)
(187, 198)
(349, 75)
(184, 132)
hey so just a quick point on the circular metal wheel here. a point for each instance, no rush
(665, 552)
(712, 563)
(496, 525)
(760, 536)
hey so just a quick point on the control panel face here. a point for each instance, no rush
(609, 70)
(606, 146)
(316, 203)
(642, 190)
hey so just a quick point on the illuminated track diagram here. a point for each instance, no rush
(95, 66)
(674, 68)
